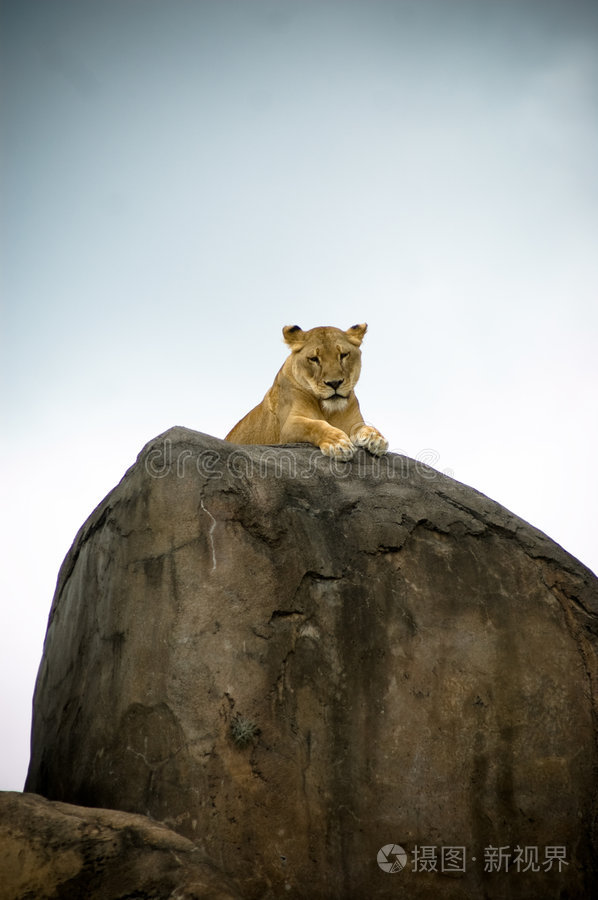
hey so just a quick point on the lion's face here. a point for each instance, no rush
(326, 362)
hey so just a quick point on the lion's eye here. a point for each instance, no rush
(313, 359)
(344, 355)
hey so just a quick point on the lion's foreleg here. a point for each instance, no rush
(331, 441)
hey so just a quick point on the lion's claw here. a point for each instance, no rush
(369, 437)
(338, 448)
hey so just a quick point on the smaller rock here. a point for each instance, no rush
(68, 852)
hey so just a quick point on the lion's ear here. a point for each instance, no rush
(293, 336)
(356, 333)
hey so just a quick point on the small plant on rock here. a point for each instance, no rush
(243, 731)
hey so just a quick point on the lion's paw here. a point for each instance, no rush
(369, 437)
(338, 447)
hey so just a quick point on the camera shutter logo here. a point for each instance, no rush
(392, 858)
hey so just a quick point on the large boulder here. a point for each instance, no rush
(63, 852)
(296, 662)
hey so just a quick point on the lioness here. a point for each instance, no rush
(312, 398)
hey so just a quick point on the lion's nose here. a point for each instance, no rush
(334, 384)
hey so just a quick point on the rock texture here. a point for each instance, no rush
(64, 852)
(294, 662)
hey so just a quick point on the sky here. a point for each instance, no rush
(181, 178)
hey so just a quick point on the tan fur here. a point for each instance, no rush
(306, 405)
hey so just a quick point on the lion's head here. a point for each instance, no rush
(326, 362)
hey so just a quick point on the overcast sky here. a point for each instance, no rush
(182, 179)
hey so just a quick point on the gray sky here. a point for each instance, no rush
(182, 179)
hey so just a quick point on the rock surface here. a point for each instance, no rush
(295, 662)
(55, 850)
